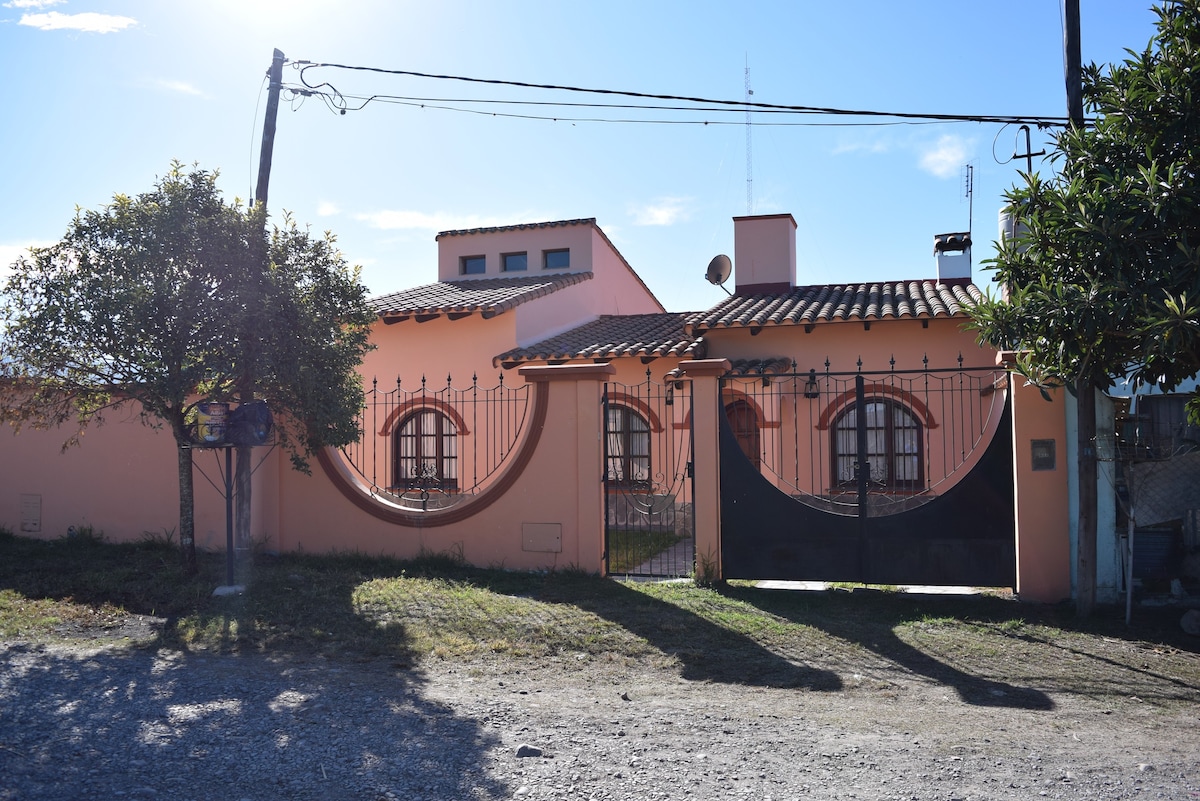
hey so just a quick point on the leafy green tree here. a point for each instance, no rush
(145, 304)
(1103, 279)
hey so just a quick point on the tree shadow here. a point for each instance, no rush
(269, 708)
(869, 619)
(705, 651)
(164, 723)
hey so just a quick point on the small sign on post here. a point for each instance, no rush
(215, 426)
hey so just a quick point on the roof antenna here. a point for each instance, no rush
(970, 190)
(749, 149)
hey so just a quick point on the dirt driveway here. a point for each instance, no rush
(864, 723)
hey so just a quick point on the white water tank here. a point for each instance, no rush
(1010, 228)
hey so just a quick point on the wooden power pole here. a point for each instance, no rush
(1085, 388)
(243, 470)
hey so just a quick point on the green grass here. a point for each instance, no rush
(628, 548)
(437, 610)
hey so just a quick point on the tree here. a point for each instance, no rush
(145, 303)
(1103, 280)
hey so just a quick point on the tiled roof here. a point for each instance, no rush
(486, 296)
(809, 305)
(519, 227)
(775, 365)
(612, 336)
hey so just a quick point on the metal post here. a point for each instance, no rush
(1072, 61)
(229, 516)
(862, 466)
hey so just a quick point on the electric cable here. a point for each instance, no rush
(441, 104)
(735, 105)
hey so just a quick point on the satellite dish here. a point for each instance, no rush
(718, 270)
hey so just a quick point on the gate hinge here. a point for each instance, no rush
(690, 472)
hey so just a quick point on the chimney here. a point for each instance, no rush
(953, 254)
(764, 253)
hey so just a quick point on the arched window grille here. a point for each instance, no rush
(894, 445)
(628, 446)
(425, 451)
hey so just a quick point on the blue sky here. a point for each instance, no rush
(104, 94)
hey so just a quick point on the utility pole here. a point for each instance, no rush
(1072, 61)
(246, 386)
(275, 78)
(1085, 390)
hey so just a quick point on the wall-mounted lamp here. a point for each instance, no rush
(811, 388)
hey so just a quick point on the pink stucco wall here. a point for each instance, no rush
(121, 480)
(765, 250)
(613, 289)
(1043, 499)
(844, 343)
(558, 490)
(534, 240)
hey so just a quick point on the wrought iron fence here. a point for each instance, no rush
(647, 479)
(907, 432)
(429, 448)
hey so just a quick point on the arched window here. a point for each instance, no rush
(893, 445)
(425, 451)
(744, 422)
(628, 446)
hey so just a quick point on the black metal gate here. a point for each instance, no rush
(901, 477)
(648, 480)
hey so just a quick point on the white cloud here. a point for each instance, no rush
(862, 146)
(180, 87)
(663, 211)
(327, 209)
(945, 158)
(89, 22)
(33, 3)
(392, 220)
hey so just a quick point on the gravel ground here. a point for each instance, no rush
(150, 724)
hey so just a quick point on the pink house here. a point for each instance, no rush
(537, 407)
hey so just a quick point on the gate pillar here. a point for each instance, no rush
(705, 375)
(575, 429)
(1042, 495)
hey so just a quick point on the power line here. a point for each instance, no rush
(336, 102)
(734, 105)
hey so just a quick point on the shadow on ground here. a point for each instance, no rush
(161, 723)
(869, 619)
(705, 650)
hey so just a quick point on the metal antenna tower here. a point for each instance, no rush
(749, 148)
(970, 190)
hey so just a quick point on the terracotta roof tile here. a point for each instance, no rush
(518, 227)
(614, 336)
(774, 365)
(486, 296)
(825, 303)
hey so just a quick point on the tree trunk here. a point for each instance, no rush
(1085, 563)
(187, 510)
